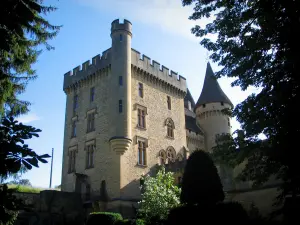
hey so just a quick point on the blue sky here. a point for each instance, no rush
(161, 30)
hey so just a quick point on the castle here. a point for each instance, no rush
(125, 114)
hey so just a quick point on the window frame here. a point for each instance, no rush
(141, 90)
(92, 94)
(169, 102)
(142, 153)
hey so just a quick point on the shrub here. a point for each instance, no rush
(201, 183)
(103, 218)
(159, 195)
(139, 222)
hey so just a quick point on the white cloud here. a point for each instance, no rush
(28, 118)
(168, 15)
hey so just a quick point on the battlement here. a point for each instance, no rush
(160, 71)
(87, 68)
(116, 25)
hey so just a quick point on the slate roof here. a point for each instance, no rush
(188, 97)
(190, 124)
(211, 91)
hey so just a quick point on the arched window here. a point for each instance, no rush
(162, 157)
(171, 154)
(170, 127)
(179, 157)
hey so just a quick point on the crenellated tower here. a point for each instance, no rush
(209, 108)
(120, 89)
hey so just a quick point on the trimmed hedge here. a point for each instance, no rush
(103, 218)
(130, 222)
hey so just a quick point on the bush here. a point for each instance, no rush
(201, 183)
(159, 195)
(103, 218)
(139, 222)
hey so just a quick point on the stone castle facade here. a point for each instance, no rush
(125, 114)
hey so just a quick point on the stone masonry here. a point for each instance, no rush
(108, 89)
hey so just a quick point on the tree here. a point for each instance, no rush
(201, 183)
(159, 195)
(256, 44)
(14, 154)
(23, 30)
(24, 182)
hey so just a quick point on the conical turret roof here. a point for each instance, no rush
(189, 98)
(211, 91)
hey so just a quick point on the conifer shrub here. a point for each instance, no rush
(103, 218)
(201, 183)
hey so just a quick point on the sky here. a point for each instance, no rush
(161, 30)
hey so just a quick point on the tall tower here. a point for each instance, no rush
(121, 85)
(208, 109)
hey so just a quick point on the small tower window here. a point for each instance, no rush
(92, 94)
(121, 37)
(228, 120)
(203, 105)
(120, 80)
(169, 102)
(120, 106)
(75, 103)
(141, 90)
(222, 103)
(73, 129)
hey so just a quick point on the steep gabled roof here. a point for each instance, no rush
(189, 98)
(211, 91)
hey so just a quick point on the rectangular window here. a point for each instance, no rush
(73, 129)
(141, 90)
(75, 103)
(228, 120)
(169, 102)
(141, 118)
(72, 161)
(90, 156)
(120, 80)
(120, 106)
(121, 37)
(92, 94)
(91, 122)
(142, 153)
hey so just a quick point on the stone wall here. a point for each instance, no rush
(51, 207)
(105, 161)
(155, 102)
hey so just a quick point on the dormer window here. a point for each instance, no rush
(189, 105)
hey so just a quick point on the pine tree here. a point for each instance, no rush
(23, 30)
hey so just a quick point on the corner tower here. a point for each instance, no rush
(121, 34)
(209, 108)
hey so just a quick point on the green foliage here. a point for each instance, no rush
(24, 182)
(107, 218)
(23, 30)
(26, 189)
(14, 151)
(201, 183)
(159, 195)
(9, 205)
(255, 47)
(13, 155)
(139, 222)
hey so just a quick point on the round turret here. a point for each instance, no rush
(209, 110)
(120, 88)
(213, 121)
